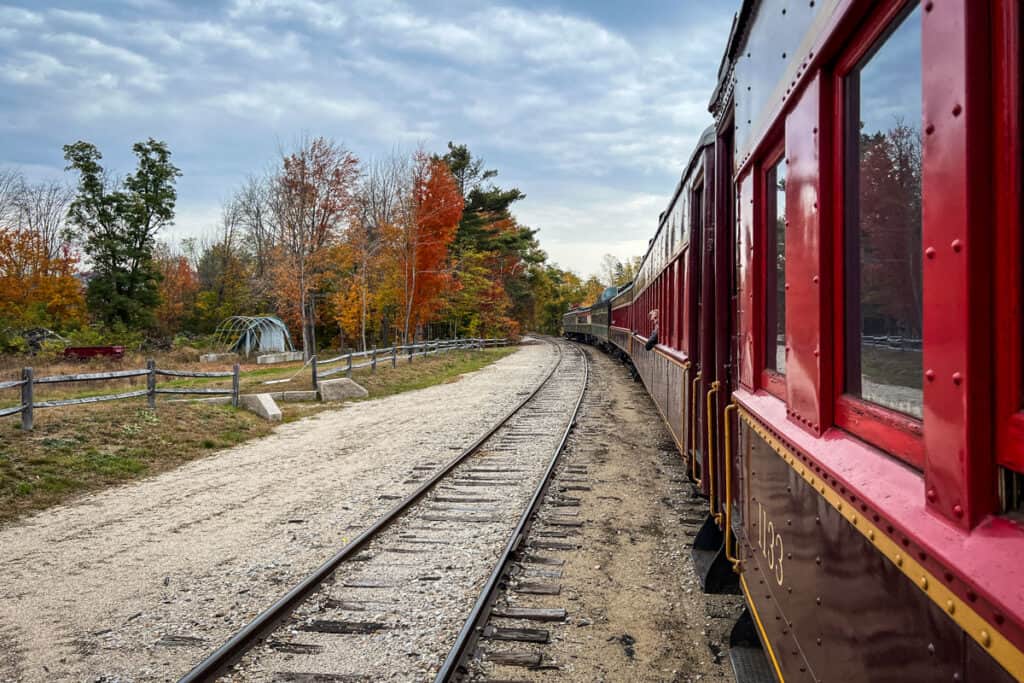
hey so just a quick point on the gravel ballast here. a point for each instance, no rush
(138, 583)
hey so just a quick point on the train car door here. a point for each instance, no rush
(717, 348)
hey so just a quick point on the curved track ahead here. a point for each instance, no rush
(462, 508)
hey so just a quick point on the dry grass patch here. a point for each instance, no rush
(85, 448)
(77, 449)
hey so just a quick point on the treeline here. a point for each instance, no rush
(356, 253)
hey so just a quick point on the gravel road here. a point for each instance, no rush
(138, 583)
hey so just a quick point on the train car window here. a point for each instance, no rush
(883, 283)
(775, 272)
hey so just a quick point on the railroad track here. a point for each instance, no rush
(388, 605)
(529, 566)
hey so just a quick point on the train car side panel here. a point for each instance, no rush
(830, 604)
(808, 375)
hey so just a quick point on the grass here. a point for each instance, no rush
(78, 449)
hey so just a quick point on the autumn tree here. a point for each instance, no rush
(615, 272)
(117, 225)
(420, 238)
(37, 289)
(225, 272)
(488, 233)
(381, 201)
(179, 287)
(316, 186)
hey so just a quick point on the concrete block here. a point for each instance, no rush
(262, 405)
(282, 357)
(218, 358)
(340, 389)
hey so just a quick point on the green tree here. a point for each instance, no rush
(117, 225)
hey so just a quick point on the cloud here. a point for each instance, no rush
(319, 15)
(593, 120)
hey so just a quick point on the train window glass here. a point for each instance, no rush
(775, 272)
(883, 282)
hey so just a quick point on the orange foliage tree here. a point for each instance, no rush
(419, 240)
(315, 194)
(37, 286)
(179, 289)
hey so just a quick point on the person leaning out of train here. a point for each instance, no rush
(652, 341)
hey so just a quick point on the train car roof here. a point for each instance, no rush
(740, 22)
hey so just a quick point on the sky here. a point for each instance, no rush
(590, 108)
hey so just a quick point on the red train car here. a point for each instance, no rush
(839, 277)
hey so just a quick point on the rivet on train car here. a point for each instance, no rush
(957, 378)
(817, 560)
(819, 639)
(898, 560)
(930, 252)
(957, 245)
(932, 495)
(928, 6)
(814, 279)
(818, 600)
(957, 110)
(871, 535)
(958, 510)
(816, 354)
(986, 639)
(929, 129)
(929, 374)
(950, 606)
(839, 506)
(783, 55)
(853, 519)
(923, 581)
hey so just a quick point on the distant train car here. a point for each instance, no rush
(838, 276)
(590, 324)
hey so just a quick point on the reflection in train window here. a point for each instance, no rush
(883, 281)
(775, 273)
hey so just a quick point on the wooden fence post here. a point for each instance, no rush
(26, 399)
(314, 373)
(234, 385)
(411, 347)
(151, 383)
(373, 359)
(394, 355)
(348, 369)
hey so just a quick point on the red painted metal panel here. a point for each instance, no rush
(1008, 189)
(960, 471)
(746, 298)
(808, 378)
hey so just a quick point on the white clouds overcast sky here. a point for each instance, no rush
(589, 109)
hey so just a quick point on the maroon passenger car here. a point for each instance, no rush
(839, 276)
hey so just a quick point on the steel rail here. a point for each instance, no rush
(471, 630)
(267, 621)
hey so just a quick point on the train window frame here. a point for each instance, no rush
(899, 434)
(772, 381)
